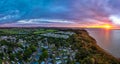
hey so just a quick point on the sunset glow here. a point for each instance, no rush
(105, 26)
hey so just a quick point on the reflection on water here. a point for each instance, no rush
(109, 40)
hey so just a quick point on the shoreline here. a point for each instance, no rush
(103, 49)
(94, 51)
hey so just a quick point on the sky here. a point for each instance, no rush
(59, 13)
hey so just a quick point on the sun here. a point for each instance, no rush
(107, 26)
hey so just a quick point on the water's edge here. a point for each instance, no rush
(101, 47)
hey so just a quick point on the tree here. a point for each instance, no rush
(12, 56)
(0, 61)
(88, 60)
(33, 48)
(27, 54)
(45, 54)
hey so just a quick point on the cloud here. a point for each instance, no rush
(59, 11)
(40, 21)
(7, 17)
(115, 19)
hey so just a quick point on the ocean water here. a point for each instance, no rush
(109, 40)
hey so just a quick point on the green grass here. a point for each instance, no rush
(26, 31)
(45, 31)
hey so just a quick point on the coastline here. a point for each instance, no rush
(96, 53)
(102, 48)
(94, 34)
(105, 50)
